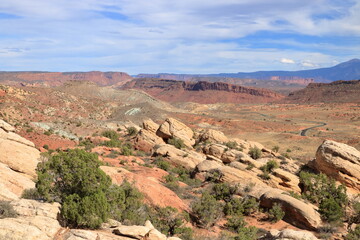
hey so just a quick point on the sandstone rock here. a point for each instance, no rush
(7, 127)
(208, 165)
(215, 150)
(185, 158)
(246, 145)
(17, 155)
(137, 232)
(12, 183)
(173, 238)
(150, 126)
(27, 207)
(145, 140)
(173, 128)
(80, 234)
(297, 212)
(226, 155)
(156, 235)
(339, 161)
(98, 139)
(36, 220)
(11, 136)
(289, 234)
(213, 136)
(287, 180)
(154, 192)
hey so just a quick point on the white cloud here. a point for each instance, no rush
(168, 35)
(287, 61)
(308, 64)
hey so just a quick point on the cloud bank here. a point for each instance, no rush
(186, 36)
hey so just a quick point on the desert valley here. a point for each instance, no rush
(106, 155)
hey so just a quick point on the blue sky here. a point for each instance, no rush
(184, 36)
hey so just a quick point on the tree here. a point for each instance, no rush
(75, 180)
(207, 210)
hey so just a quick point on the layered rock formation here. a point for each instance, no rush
(338, 92)
(18, 161)
(202, 92)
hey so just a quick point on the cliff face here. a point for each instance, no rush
(57, 78)
(202, 92)
(339, 91)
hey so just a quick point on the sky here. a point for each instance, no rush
(184, 36)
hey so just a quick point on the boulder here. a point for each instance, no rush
(339, 161)
(136, 232)
(173, 128)
(214, 136)
(145, 140)
(225, 154)
(150, 126)
(297, 212)
(286, 180)
(185, 158)
(289, 234)
(156, 235)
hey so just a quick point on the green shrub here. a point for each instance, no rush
(223, 191)
(355, 216)
(126, 151)
(238, 206)
(87, 144)
(162, 164)
(276, 213)
(85, 191)
(132, 131)
(46, 147)
(31, 193)
(269, 166)
(330, 210)
(7, 210)
(238, 225)
(255, 152)
(353, 234)
(49, 132)
(214, 175)
(111, 134)
(113, 143)
(177, 142)
(321, 190)
(275, 148)
(265, 175)
(206, 210)
(231, 144)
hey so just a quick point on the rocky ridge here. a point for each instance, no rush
(179, 91)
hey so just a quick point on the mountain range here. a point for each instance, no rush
(349, 70)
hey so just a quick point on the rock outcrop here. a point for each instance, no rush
(297, 212)
(36, 221)
(185, 158)
(289, 234)
(213, 136)
(145, 140)
(339, 161)
(173, 128)
(18, 161)
(155, 193)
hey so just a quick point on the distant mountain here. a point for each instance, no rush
(58, 78)
(335, 92)
(349, 70)
(201, 92)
